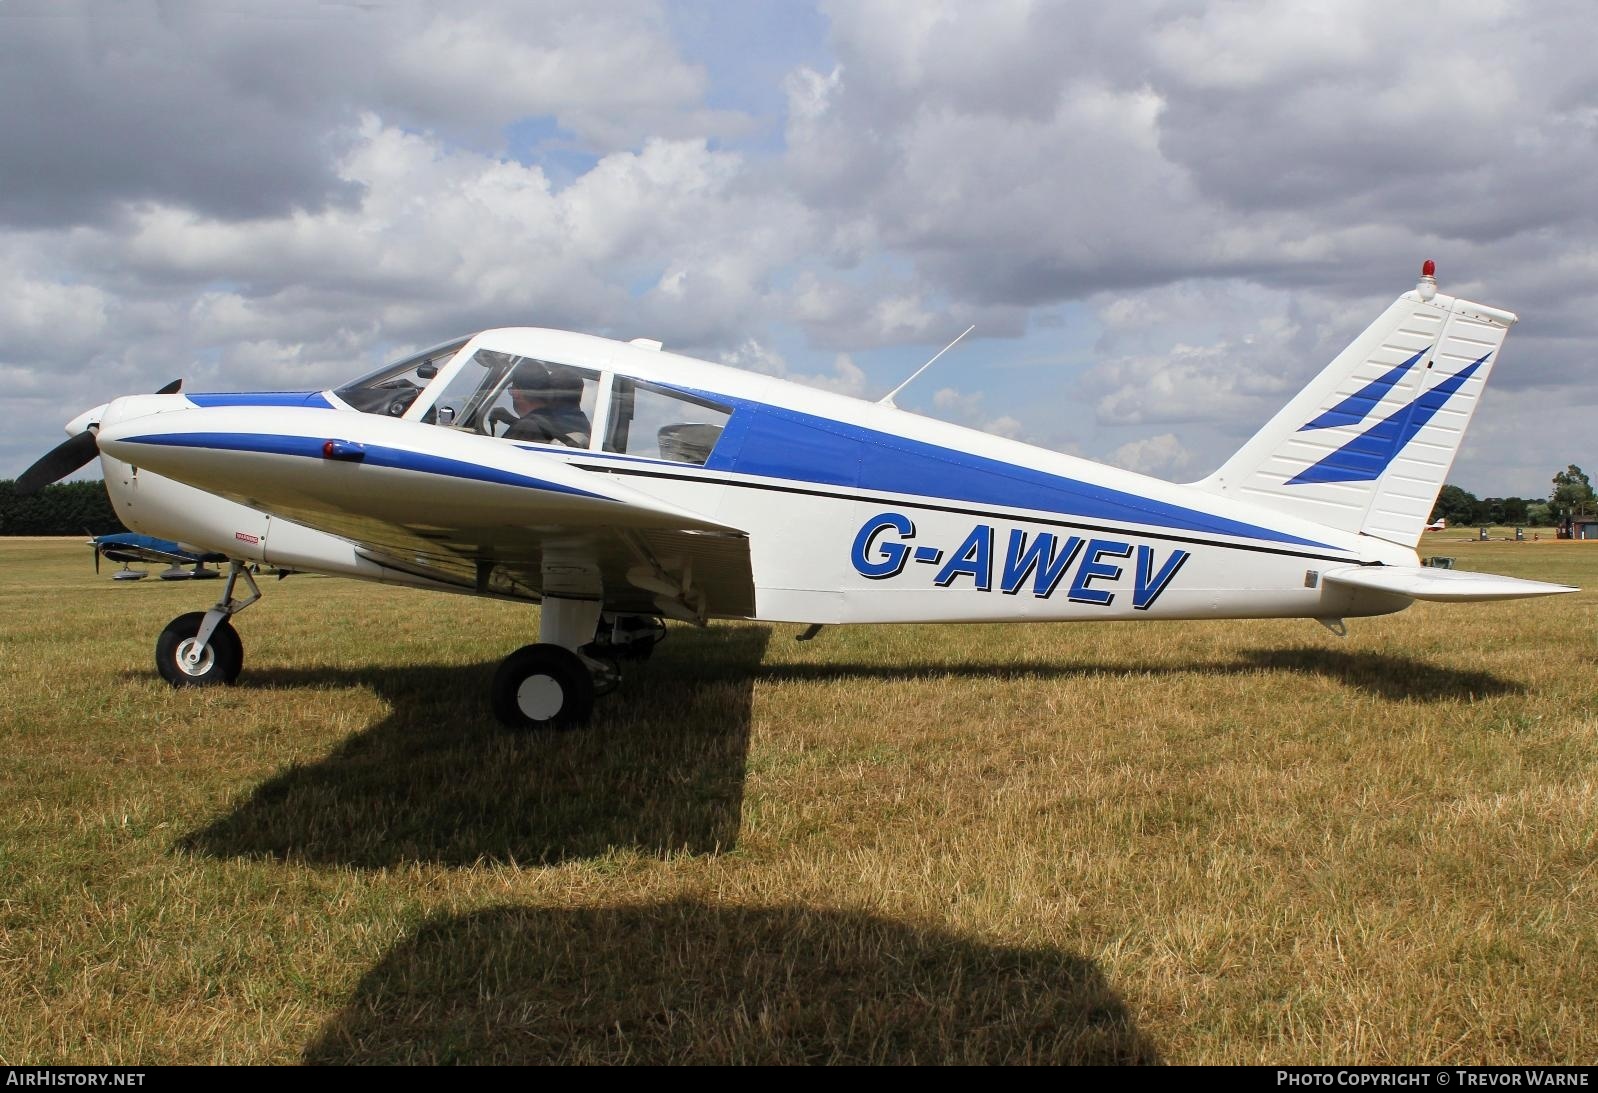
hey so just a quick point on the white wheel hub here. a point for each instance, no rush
(188, 664)
(540, 696)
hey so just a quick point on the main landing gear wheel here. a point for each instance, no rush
(218, 664)
(543, 686)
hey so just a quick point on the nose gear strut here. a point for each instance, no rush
(202, 649)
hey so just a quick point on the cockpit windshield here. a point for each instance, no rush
(531, 400)
(392, 388)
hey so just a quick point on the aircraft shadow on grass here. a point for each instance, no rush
(438, 781)
(691, 982)
(1386, 675)
(435, 781)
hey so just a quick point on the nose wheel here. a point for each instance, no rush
(184, 662)
(543, 686)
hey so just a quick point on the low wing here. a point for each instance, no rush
(469, 510)
(687, 573)
(1443, 585)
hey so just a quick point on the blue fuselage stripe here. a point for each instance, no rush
(376, 455)
(262, 398)
(776, 442)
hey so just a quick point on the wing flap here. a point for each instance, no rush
(1441, 585)
(686, 574)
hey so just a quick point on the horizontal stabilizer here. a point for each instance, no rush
(1444, 585)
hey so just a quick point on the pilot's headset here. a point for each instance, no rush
(532, 378)
(556, 383)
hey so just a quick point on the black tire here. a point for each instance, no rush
(542, 687)
(220, 666)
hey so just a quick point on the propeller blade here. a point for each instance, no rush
(57, 463)
(76, 452)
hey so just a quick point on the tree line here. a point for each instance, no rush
(66, 508)
(1571, 496)
(82, 508)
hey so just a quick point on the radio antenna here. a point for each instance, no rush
(887, 400)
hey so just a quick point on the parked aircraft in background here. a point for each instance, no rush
(619, 485)
(129, 546)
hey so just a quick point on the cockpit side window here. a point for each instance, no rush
(462, 404)
(520, 398)
(659, 423)
(391, 389)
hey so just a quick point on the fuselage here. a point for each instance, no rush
(841, 510)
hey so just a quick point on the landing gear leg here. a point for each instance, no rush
(550, 685)
(201, 648)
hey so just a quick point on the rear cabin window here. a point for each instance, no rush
(657, 423)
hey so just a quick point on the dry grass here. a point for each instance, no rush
(1243, 842)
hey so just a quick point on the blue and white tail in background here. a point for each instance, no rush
(1367, 445)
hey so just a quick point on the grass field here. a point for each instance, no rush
(1192, 843)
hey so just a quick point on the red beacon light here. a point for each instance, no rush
(1427, 288)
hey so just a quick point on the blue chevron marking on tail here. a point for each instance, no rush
(1364, 458)
(1356, 407)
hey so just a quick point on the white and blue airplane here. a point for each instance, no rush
(618, 486)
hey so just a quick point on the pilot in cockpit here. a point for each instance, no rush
(547, 399)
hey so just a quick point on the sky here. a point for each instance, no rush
(1162, 217)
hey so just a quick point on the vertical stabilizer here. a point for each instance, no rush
(1367, 445)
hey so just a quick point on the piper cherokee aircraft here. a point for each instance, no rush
(618, 486)
(129, 546)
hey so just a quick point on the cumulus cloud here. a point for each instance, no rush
(442, 237)
(1214, 352)
(1228, 191)
(846, 378)
(49, 318)
(1162, 456)
(969, 408)
(1225, 381)
(237, 111)
(1185, 144)
(436, 240)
